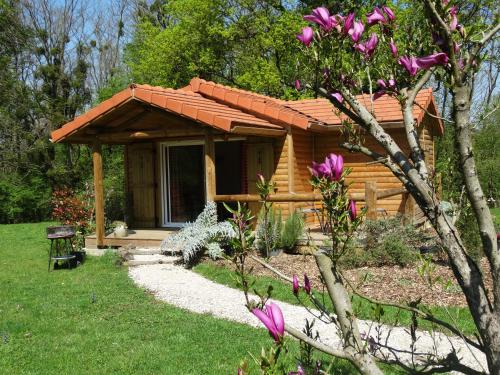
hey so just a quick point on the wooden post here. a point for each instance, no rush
(98, 193)
(371, 200)
(291, 169)
(210, 182)
(409, 209)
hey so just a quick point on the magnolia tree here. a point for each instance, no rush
(383, 61)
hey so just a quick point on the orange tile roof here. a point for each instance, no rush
(184, 103)
(226, 108)
(307, 111)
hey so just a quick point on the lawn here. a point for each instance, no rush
(93, 320)
(364, 310)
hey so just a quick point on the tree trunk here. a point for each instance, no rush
(351, 338)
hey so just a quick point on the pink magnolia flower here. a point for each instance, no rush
(389, 13)
(261, 178)
(368, 48)
(352, 210)
(321, 16)
(394, 49)
(376, 16)
(454, 20)
(272, 318)
(427, 62)
(297, 85)
(307, 284)
(348, 23)
(295, 285)
(300, 371)
(356, 30)
(307, 36)
(331, 169)
(337, 95)
(410, 64)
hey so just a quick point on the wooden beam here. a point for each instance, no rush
(210, 181)
(390, 192)
(98, 192)
(302, 197)
(371, 200)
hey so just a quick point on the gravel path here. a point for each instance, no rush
(186, 289)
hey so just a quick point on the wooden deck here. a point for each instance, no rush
(136, 237)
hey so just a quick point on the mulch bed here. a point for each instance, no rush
(389, 283)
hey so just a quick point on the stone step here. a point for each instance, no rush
(145, 251)
(145, 259)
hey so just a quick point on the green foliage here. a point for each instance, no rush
(487, 154)
(292, 230)
(25, 199)
(250, 44)
(386, 243)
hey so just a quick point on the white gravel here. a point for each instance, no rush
(186, 289)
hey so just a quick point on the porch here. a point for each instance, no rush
(139, 238)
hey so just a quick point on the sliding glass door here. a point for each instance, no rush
(183, 188)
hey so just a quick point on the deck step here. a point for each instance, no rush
(143, 260)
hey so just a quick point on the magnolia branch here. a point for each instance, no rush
(385, 160)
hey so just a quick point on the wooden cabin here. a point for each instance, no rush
(208, 142)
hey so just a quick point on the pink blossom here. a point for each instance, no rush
(356, 30)
(321, 16)
(307, 36)
(295, 285)
(394, 49)
(368, 48)
(348, 23)
(376, 16)
(297, 85)
(307, 284)
(454, 20)
(337, 95)
(410, 64)
(427, 62)
(389, 13)
(272, 318)
(352, 210)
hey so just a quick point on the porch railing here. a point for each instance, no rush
(370, 197)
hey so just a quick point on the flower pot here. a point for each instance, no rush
(121, 232)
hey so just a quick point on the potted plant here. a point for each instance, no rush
(120, 229)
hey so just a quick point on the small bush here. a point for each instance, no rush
(268, 232)
(386, 243)
(204, 234)
(292, 230)
(393, 250)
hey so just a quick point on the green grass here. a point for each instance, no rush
(496, 216)
(363, 309)
(93, 320)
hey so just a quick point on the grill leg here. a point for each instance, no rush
(50, 252)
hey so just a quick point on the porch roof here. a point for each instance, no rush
(124, 112)
(226, 109)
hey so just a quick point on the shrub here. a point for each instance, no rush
(385, 243)
(393, 250)
(292, 230)
(268, 231)
(70, 208)
(204, 234)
